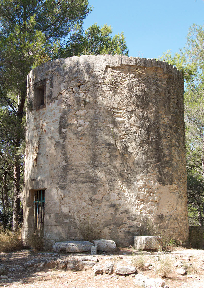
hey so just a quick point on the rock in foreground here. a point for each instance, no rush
(72, 246)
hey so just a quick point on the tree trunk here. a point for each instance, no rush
(203, 157)
(3, 207)
(16, 194)
(6, 207)
(5, 203)
(17, 164)
(4, 200)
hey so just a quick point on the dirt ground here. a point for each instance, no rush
(31, 269)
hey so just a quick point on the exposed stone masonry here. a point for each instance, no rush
(106, 143)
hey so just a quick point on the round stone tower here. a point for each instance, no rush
(105, 154)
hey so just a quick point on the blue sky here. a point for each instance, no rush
(151, 27)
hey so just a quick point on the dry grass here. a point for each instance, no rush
(191, 268)
(165, 267)
(140, 262)
(36, 242)
(10, 241)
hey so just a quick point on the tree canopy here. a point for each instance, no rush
(95, 40)
(31, 33)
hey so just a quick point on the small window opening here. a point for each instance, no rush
(39, 209)
(39, 94)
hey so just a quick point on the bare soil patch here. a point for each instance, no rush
(31, 269)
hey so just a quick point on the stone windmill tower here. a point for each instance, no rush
(105, 152)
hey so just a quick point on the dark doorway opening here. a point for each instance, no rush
(39, 94)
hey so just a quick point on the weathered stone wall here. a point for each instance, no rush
(108, 146)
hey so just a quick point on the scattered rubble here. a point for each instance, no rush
(114, 268)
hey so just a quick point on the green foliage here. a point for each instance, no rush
(94, 41)
(191, 61)
(10, 131)
(180, 62)
(194, 117)
(31, 33)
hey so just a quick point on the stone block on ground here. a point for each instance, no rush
(93, 250)
(75, 265)
(105, 245)
(147, 282)
(105, 268)
(62, 264)
(98, 269)
(155, 283)
(140, 280)
(92, 258)
(51, 264)
(181, 271)
(123, 269)
(73, 246)
(152, 243)
(108, 267)
(89, 261)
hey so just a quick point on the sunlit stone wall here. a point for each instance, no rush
(105, 139)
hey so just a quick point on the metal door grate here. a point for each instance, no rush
(39, 209)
